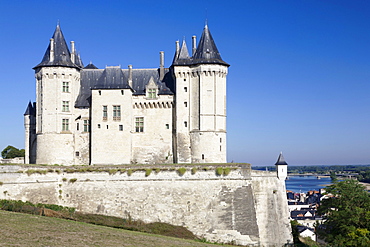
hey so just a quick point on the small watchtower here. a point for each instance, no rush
(281, 167)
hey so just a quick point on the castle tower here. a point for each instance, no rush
(57, 85)
(30, 134)
(281, 167)
(200, 102)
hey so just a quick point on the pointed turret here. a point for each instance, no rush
(182, 56)
(30, 111)
(57, 53)
(207, 52)
(281, 167)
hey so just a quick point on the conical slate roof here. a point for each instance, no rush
(30, 110)
(207, 51)
(62, 56)
(281, 160)
(183, 56)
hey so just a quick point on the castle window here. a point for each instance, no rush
(65, 106)
(120, 127)
(186, 104)
(105, 112)
(202, 156)
(185, 89)
(139, 124)
(122, 92)
(65, 88)
(184, 79)
(186, 124)
(99, 92)
(167, 126)
(152, 93)
(65, 124)
(98, 126)
(78, 126)
(86, 126)
(116, 112)
(77, 154)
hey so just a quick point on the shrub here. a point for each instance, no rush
(181, 171)
(193, 170)
(122, 170)
(227, 171)
(72, 180)
(147, 172)
(30, 171)
(219, 171)
(157, 170)
(57, 171)
(129, 172)
(1, 183)
(50, 170)
(64, 180)
(60, 191)
(112, 171)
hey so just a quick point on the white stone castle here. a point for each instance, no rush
(85, 115)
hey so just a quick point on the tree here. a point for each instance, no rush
(11, 152)
(346, 215)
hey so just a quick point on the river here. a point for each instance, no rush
(306, 183)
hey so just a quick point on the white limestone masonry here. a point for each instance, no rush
(244, 207)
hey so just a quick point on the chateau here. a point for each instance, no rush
(86, 115)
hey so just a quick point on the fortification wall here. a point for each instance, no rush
(244, 207)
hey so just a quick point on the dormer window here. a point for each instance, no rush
(151, 89)
(152, 93)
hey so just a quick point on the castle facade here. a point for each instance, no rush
(86, 115)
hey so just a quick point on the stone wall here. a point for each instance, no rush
(244, 207)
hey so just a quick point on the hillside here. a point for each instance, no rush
(30, 230)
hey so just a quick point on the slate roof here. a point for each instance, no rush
(62, 56)
(90, 66)
(281, 160)
(206, 52)
(30, 110)
(116, 78)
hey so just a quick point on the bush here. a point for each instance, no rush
(227, 171)
(193, 170)
(157, 170)
(129, 172)
(1, 183)
(72, 180)
(112, 171)
(219, 171)
(147, 172)
(181, 171)
(64, 180)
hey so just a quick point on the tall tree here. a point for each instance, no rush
(11, 152)
(346, 215)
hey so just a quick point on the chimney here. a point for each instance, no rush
(177, 48)
(130, 75)
(73, 53)
(194, 39)
(51, 50)
(161, 65)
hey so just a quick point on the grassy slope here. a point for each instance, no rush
(18, 229)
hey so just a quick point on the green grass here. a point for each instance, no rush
(32, 230)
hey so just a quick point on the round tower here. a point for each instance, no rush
(57, 85)
(201, 102)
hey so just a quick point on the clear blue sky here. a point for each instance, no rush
(299, 80)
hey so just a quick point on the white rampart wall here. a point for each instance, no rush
(243, 207)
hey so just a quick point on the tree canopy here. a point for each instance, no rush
(11, 152)
(346, 215)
